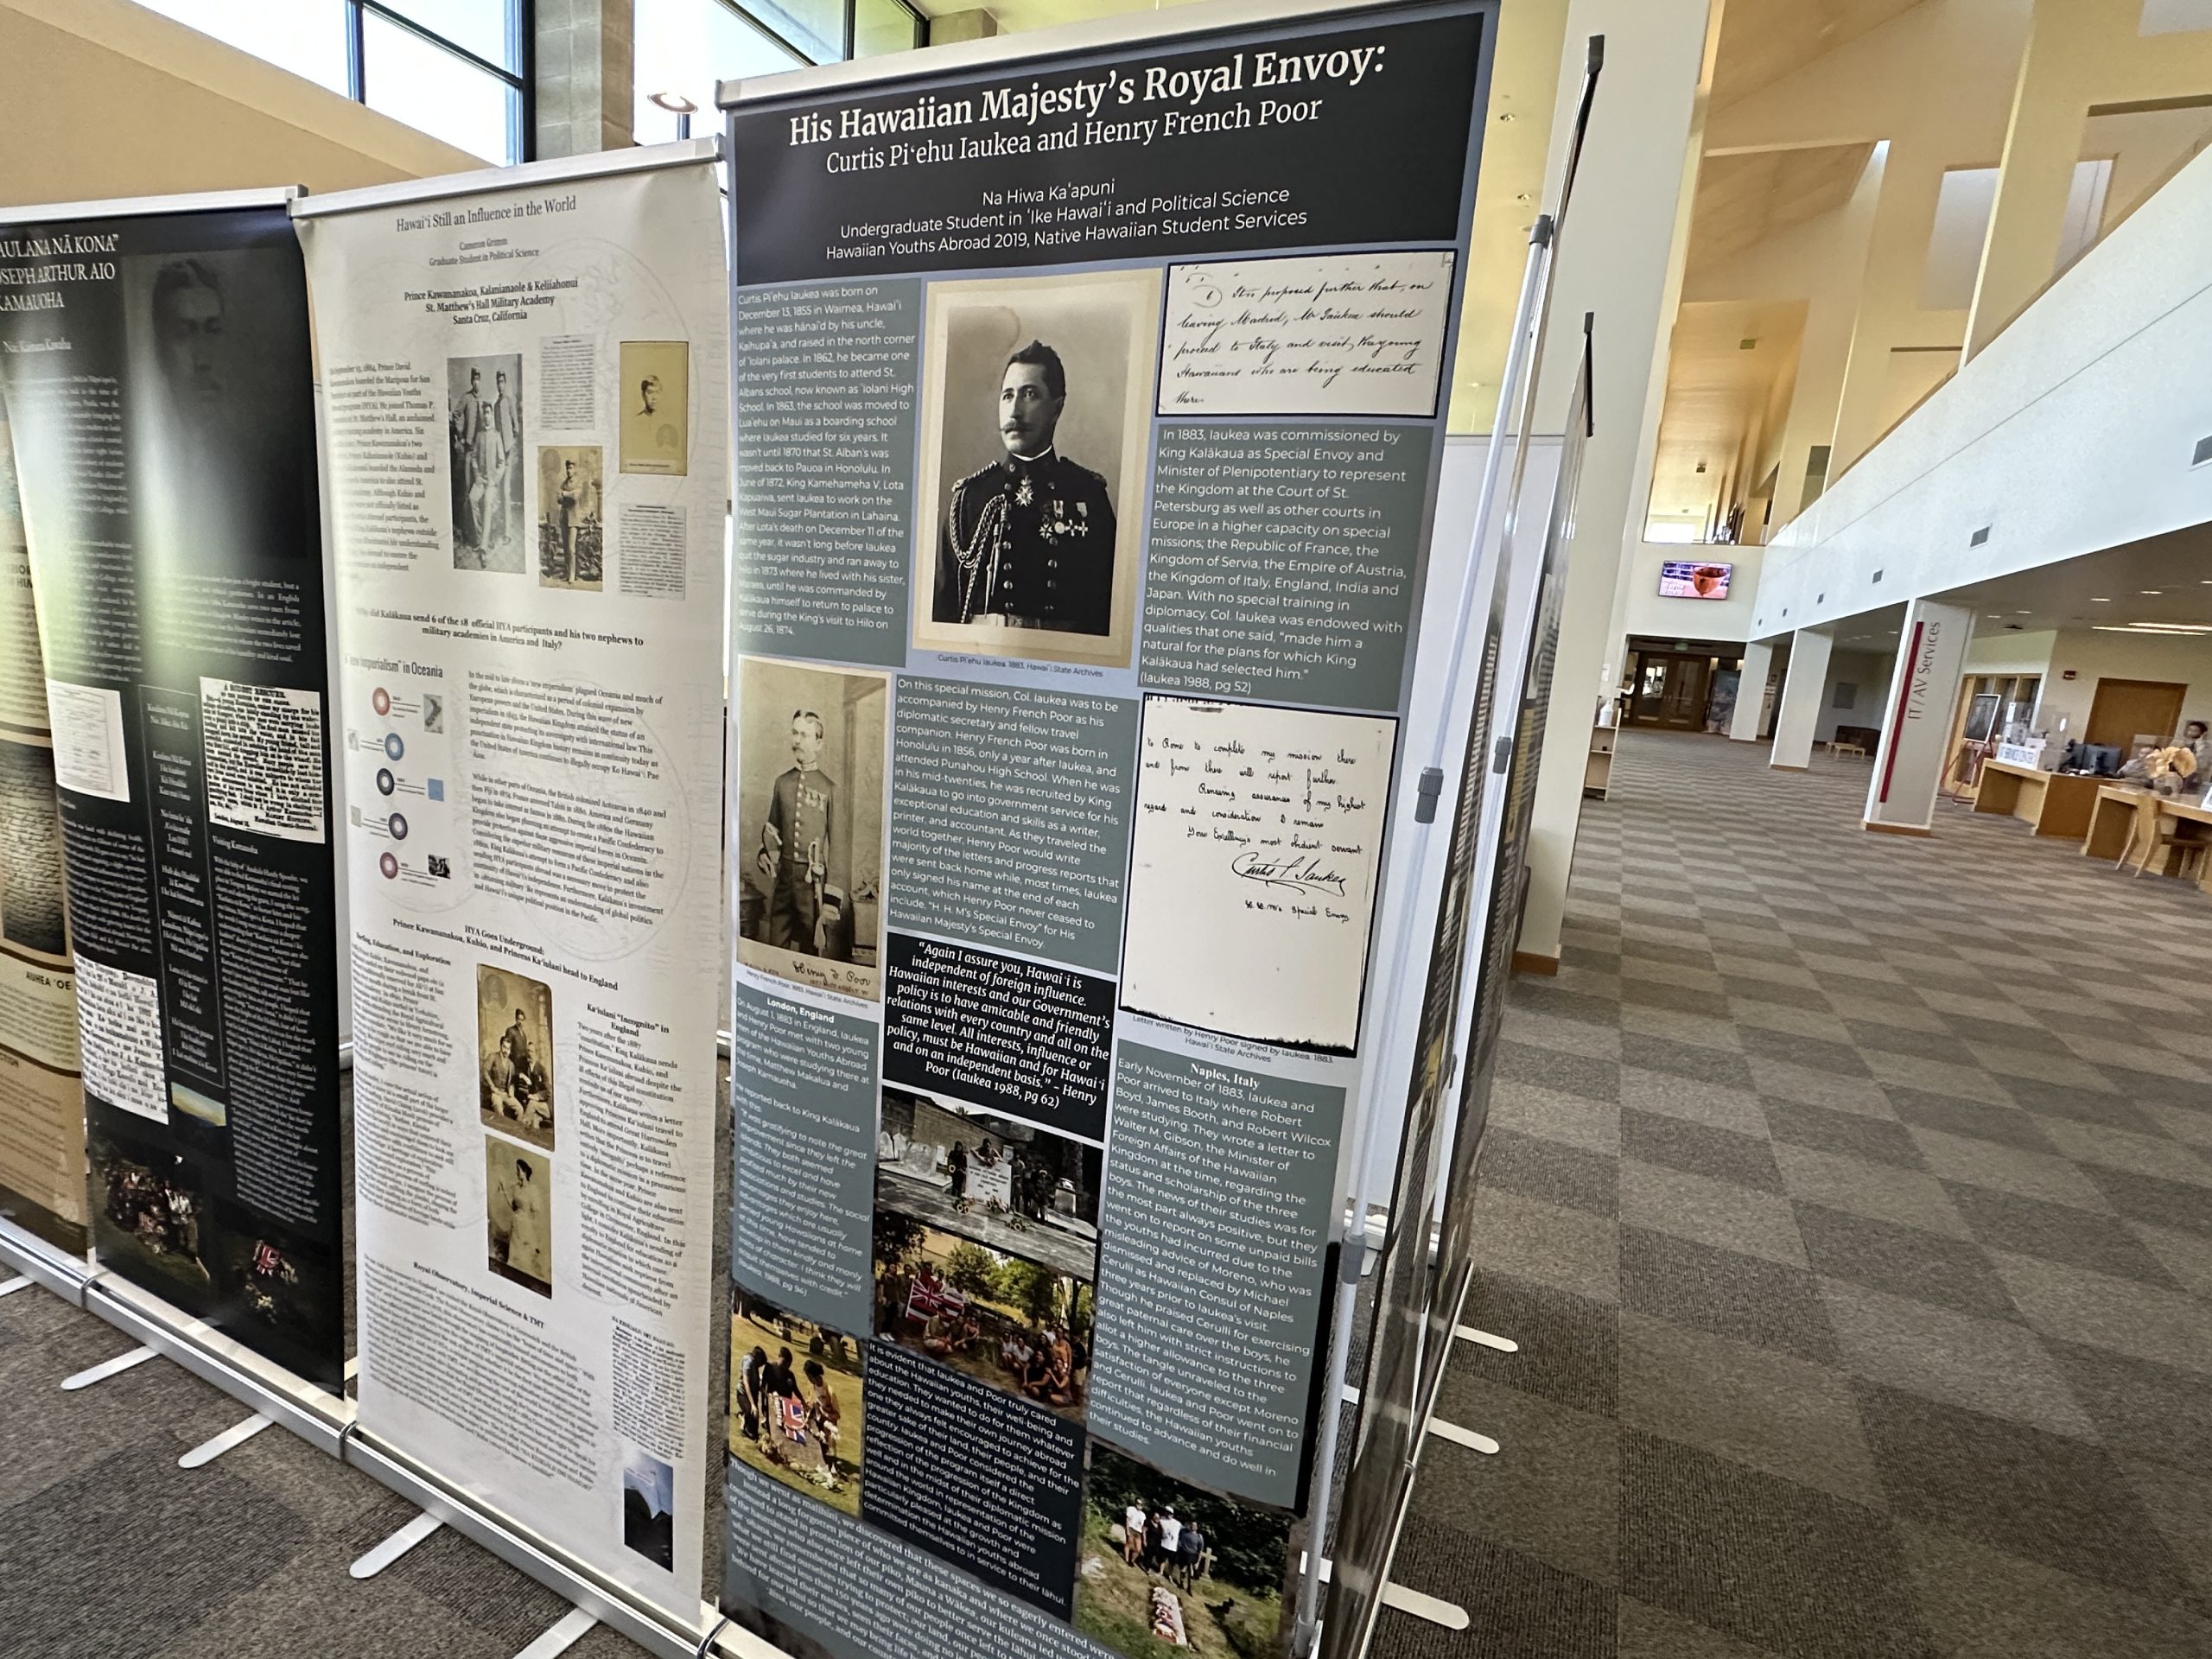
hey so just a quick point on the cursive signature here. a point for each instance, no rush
(1300, 875)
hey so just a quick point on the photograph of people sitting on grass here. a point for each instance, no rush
(1015, 1324)
(1170, 1569)
(997, 1180)
(795, 1401)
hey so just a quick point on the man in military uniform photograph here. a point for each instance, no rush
(1027, 542)
(794, 853)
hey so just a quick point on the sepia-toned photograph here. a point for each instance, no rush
(1173, 1568)
(571, 517)
(649, 1509)
(796, 1406)
(31, 911)
(655, 434)
(809, 869)
(519, 1214)
(1036, 402)
(484, 442)
(1020, 1325)
(996, 1180)
(514, 1054)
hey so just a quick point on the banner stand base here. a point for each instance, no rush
(275, 1396)
(390, 1550)
(107, 1368)
(39, 1262)
(229, 1440)
(583, 1591)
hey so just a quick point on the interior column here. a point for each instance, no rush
(1799, 714)
(1916, 728)
(1750, 692)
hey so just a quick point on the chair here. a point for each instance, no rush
(2182, 844)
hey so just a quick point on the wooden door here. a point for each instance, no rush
(2120, 709)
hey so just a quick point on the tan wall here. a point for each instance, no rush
(106, 99)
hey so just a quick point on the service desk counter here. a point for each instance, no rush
(2048, 804)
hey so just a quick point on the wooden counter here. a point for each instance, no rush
(2048, 804)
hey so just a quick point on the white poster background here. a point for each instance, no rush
(533, 755)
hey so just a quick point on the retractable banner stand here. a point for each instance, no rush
(153, 359)
(41, 1093)
(1088, 396)
(523, 377)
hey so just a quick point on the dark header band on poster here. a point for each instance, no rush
(1087, 160)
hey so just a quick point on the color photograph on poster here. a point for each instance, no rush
(1036, 395)
(656, 428)
(571, 517)
(484, 438)
(810, 829)
(1253, 869)
(1018, 1324)
(797, 1410)
(1169, 1568)
(518, 1215)
(514, 1054)
(999, 1181)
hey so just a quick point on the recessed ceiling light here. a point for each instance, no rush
(2024, 612)
(2100, 601)
(2151, 593)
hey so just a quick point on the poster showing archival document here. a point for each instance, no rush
(524, 379)
(1088, 423)
(41, 1096)
(155, 370)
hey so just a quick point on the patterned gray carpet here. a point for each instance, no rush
(108, 1550)
(1852, 1197)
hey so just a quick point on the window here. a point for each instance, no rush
(453, 68)
(685, 47)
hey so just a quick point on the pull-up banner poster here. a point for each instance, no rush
(1089, 404)
(523, 405)
(154, 364)
(41, 1094)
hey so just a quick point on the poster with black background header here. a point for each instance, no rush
(158, 376)
(1089, 411)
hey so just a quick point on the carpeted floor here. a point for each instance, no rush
(1852, 1198)
(108, 1550)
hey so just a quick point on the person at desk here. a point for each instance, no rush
(2197, 738)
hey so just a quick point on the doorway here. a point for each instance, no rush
(2121, 709)
(1669, 690)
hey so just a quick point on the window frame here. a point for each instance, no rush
(522, 46)
(848, 14)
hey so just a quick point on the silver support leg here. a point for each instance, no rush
(229, 1440)
(21, 1281)
(105, 1368)
(1465, 1437)
(571, 1630)
(395, 1546)
(1449, 1614)
(1521, 349)
(1484, 1339)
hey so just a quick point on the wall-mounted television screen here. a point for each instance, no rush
(1693, 579)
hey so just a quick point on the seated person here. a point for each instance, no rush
(2197, 738)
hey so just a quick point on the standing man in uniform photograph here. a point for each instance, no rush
(795, 841)
(1027, 541)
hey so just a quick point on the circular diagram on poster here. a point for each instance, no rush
(388, 864)
(380, 700)
(398, 822)
(394, 747)
(385, 782)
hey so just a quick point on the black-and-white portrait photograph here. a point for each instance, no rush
(484, 441)
(571, 517)
(1036, 401)
(519, 1214)
(514, 1054)
(809, 858)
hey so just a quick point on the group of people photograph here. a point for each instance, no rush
(795, 1401)
(1017, 1324)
